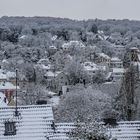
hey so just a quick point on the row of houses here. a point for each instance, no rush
(36, 122)
(112, 68)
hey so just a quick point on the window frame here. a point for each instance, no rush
(10, 128)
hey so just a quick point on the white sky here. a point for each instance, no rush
(75, 9)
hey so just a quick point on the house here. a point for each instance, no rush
(33, 122)
(11, 77)
(72, 44)
(8, 89)
(52, 50)
(50, 77)
(117, 73)
(103, 59)
(119, 50)
(36, 122)
(116, 63)
(7, 76)
(90, 67)
(44, 65)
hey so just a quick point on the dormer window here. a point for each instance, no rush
(10, 128)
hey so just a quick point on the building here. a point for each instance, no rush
(34, 122)
(71, 45)
(8, 89)
(52, 50)
(117, 73)
(103, 59)
(119, 50)
(134, 54)
(90, 67)
(116, 63)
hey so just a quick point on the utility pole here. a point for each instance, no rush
(16, 110)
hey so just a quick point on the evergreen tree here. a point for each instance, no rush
(125, 101)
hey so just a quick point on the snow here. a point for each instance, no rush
(2, 98)
(52, 93)
(108, 75)
(5, 61)
(73, 43)
(54, 38)
(11, 74)
(90, 66)
(103, 55)
(53, 47)
(118, 70)
(119, 46)
(34, 122)
(3, 76)
(134, 48)
(52, 74)
(43, 60)
(48, 67)
(115, 59)
(7, 85)
(23, 37)
(139, 57)
(54, 100)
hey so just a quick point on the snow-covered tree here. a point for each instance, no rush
(91, 130)
(81, 104)
(31, 93)
(75, 72)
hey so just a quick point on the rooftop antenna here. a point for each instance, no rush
(16, 109)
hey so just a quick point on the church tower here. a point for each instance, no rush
(134, 54)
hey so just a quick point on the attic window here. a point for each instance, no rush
(10, 128)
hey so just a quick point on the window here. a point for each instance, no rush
(10, 128)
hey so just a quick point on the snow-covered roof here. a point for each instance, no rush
(118, 70)
(52, 93)
(103, 55)
(52, 47)
(73, 43)
(23, 37)
(34, 122)
(52, 74)
(3, 76)
(6, 75)
(48, 67)
(134, 48)
(54, 37)
(11, 74)
(43, 61)
(5, 61)
(7, 86)
(100, 31)
(89, 65)
(115, 59)
(119, 46)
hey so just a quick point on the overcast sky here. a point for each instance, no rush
(75, 9)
